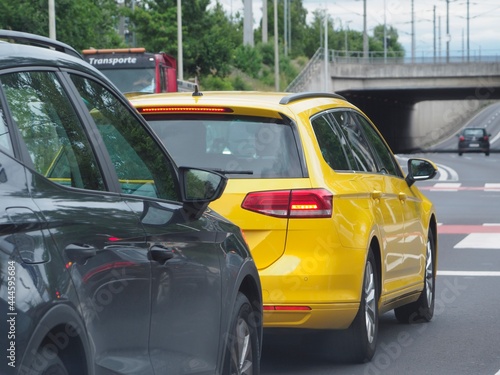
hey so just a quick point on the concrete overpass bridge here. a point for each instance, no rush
(414, 104)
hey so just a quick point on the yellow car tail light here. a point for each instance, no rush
(303, 203)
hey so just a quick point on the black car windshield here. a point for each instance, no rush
(239, 146)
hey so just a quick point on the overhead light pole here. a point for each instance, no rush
(448, 36)
(326, 53)
(385, 35)
(285, 26)
(52, 19)
(468, 34)
(248, 23)
(276, 51)
(365, 32)
(180, 67)
(413, 44)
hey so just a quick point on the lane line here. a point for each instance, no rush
(492, 187)
(480, 241)
(468, 229)
(446, 186)
(445, 171)
(469, 273)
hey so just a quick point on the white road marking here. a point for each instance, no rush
(446, 186)
(469, 273)
(491, 187)
(445, 171)
(480, 241)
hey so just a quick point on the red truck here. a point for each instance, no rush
(135, 70)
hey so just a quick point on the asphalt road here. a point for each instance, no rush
(464, 336)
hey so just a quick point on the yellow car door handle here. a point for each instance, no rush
(402, 197)
(376, 194)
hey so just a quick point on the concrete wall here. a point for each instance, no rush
(397, 97)
(434, 121)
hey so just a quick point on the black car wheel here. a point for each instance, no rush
(242, 357)
(422, 310)
(47, 362)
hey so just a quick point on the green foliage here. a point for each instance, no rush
(240, 85)
(267, 77)
(297, 26)
(267, 52)
(81, 23)
(394, 48)
(287, 70)
(248, 59)
(212, 40)
(211, 82)
(208, 39)
(158, 18)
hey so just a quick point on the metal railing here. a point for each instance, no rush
(423, 57)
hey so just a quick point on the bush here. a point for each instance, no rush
(248, 59)
(267, 52)
(240, 85)
(216, 83)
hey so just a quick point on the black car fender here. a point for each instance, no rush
(59, 327)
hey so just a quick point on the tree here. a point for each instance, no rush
(209, 38)
(297, 25)
(394, 48)
(81, 23)
(338, 36)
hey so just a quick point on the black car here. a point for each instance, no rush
(110, 260)
(474, 140)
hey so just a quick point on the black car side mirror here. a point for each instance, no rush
(420, 170)
(199, 187)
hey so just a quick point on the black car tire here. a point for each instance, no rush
(242, 353)
(48, 363)
(422, 310)
(360, 339)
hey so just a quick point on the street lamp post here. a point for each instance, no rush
(448, 36)
(346, 31)
(180, 67)
(276, 52)
(326, 53)
(385, 36)
(52, 19)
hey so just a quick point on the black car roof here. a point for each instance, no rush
(33, 50)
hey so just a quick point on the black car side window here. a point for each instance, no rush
(52, 133)
(140, 163)
(5, 142)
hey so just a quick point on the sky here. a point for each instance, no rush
(484, 21)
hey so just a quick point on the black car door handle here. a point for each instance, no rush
(79, 253)
(161, 253)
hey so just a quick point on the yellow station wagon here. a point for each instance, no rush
(338, 232)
